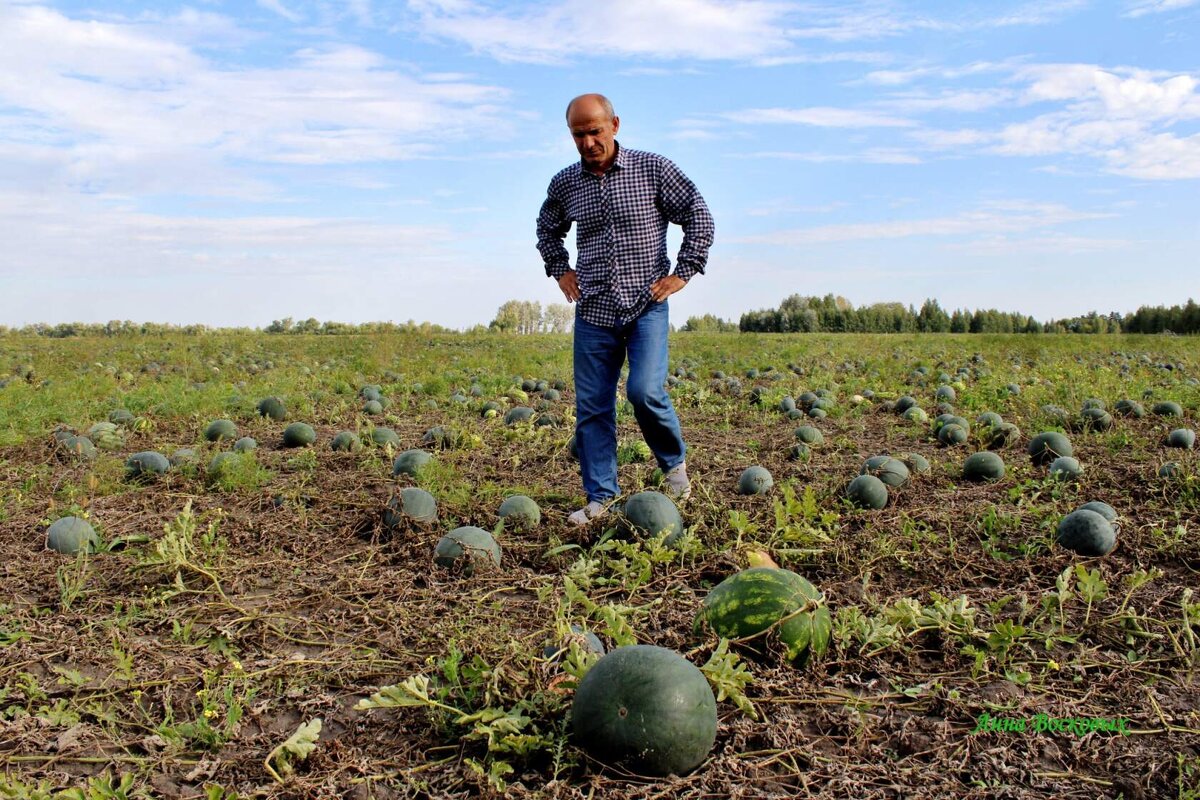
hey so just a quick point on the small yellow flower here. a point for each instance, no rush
(209, 713)
(1054, 665)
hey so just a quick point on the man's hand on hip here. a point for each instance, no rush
(663, 288)
(569, 284)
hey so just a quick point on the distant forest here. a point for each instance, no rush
(830, 314)
(796, 314)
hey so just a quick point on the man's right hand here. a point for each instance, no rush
(569, 285)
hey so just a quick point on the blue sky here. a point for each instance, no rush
(233, 163)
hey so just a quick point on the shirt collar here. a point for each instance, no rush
(618, 163)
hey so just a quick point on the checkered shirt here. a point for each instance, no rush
(621, 232)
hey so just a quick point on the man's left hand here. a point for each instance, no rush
(663, 288)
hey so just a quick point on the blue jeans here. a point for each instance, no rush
(599, 354)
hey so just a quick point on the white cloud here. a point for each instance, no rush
(278, 7)
(875, 155)
(560, 32)
(968, 100)
(1047, 244)
(817, 116)
(1121, 117)
(1005, 217)
(1143, 7)
(1159, 157)
(125, 107)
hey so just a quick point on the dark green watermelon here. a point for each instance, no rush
(983, 466)
(645, 709)
(1087, 533)
(520, 512)
(755, 480)
(1047, 446)
(650, 513)
(71, 535)
(467, 548)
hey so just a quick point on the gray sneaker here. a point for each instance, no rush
(591, 511)
(676, 484)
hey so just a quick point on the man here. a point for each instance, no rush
(620, 201)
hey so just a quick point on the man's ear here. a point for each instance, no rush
(616, 123)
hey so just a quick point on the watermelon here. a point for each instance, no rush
(916, 463)
(518, 414)
(772, 607)
(381, 437)
(521, 512)
(1087, 533)
(989, 419)
(466, 549)
(220, 429)
(810, 435)
(983, 466)
(650, 513)
(120, 416)
(1101, 508)
(1066, 468)
(410, 503)
(245, 445)
(346, 442)
(71, 535)
(645, 709)
(1047, 446)
(892, 471)
(298, 434)
(1184, 438)
(1129, 408)
(410, 462)
(1003, 435)
(1167, 408)
(951, 434)
(867, 491)
(146, 466)
(272, 407)
(755, 480)
(79, 446)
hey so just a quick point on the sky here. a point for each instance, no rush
(233, 163)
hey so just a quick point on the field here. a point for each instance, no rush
(220, 616)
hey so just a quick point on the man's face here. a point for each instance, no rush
(594, 134)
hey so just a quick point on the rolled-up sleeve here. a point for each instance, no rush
(552, 228)
(683, 205)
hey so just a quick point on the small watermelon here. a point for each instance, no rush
(467, 548)
(772, 606)
(755, 480)
(1087, 533)
(983, 466)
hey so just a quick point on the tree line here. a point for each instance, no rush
(835, 314)
(796, 314)
(523, 316)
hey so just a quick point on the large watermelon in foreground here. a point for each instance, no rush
(769, 606)
(646, 709)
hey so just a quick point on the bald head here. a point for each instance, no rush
(593, 125)
(591, 106)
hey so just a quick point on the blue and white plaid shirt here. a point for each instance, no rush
(621, 234)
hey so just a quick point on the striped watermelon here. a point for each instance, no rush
(763, 602)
